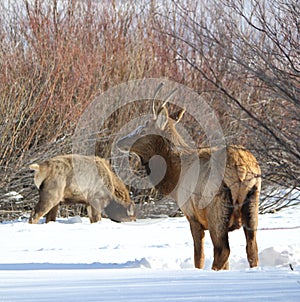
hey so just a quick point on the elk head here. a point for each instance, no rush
(119, 212)
(173, 167)
(154, 142)
(148, 139)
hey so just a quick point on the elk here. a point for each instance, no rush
(120, 192)
(74, 179)
(235, 203)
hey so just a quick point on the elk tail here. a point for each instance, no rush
(34, 167)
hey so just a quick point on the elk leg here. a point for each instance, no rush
(250, 221)
(93, 214)
(198, 237)
(251, 247)
(51, 215)
(221, 250)
(49, 198)
(39, 211)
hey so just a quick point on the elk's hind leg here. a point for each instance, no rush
(51, 215)
(40, 210)
(218, 215)
(198, 237)
(221, 249)
(250, 222)
(51, 193)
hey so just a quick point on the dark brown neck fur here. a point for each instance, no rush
(168, 152)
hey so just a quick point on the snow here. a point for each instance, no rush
(148, 260)
(13, 196)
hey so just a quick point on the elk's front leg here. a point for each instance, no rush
(198, 237)
(93, 214)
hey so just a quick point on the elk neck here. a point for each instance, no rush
(173, 156)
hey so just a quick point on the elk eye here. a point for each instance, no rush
(143, 132)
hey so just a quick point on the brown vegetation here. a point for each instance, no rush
(80, 179)
(56, 56)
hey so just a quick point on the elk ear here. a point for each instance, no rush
(155, 113)
(162, 117)
(179, 116)
(34, 167)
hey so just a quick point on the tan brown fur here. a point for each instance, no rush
(235, 203)
(120, 192)
(80, 179)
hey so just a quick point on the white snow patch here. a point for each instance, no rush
(148, 260)
(13, 196)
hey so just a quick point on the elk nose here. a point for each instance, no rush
(122, 144)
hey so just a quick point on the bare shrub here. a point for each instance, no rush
(247, 54)
(55, 57)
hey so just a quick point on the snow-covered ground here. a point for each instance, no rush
(146, 260)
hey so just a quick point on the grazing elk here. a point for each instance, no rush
(235, 203)
(120, 192)
(80, 179)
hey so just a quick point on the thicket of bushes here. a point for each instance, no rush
(56, 56)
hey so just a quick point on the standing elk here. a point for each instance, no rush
(74, 179)
(235, 203)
